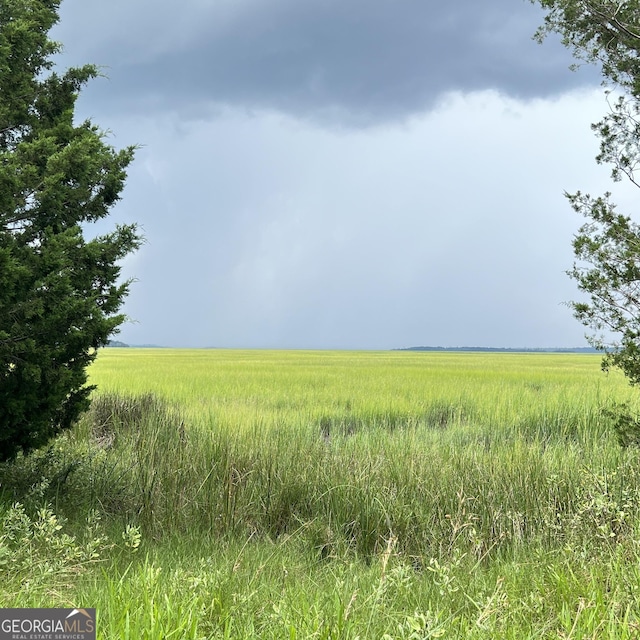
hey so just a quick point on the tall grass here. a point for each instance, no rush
(398, 493)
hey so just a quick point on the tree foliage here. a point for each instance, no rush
(607, 246)
(604, 32)
(60, 293)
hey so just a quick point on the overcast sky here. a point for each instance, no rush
(361, 174)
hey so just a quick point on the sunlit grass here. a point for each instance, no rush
(350, 494)
(249, 389)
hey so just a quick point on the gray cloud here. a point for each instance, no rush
(429, 211)
(356, 62)
(267, 232)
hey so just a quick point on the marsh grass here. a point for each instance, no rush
(344, 495)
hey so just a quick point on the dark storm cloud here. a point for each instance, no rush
(352, 174)
(361, 61)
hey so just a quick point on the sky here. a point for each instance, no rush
(371, 174)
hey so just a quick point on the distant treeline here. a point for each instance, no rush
(505, 349)
(117, 343)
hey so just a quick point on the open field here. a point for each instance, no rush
(263, 494)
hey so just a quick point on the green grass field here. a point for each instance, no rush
(301, 494)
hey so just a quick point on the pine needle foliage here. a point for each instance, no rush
(60, 293)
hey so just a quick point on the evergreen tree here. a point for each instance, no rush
(60, 293)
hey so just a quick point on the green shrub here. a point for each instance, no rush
(36, 554)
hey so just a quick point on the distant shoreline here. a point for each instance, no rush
(505, 349)
(117, 344)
